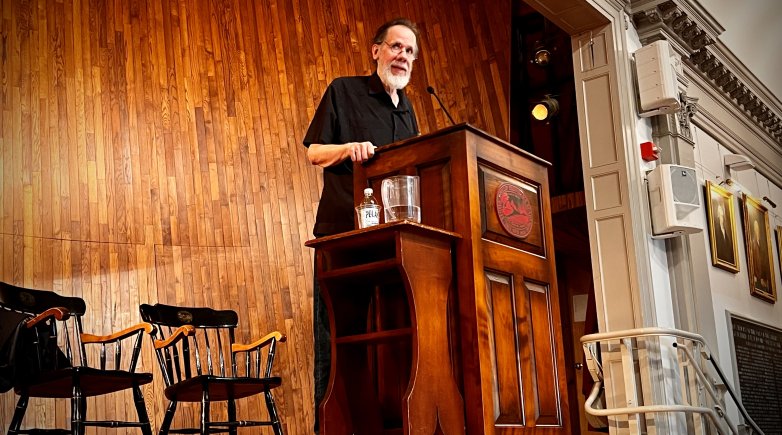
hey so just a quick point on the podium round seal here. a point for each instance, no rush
(514, 210)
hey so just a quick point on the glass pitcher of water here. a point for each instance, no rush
(401, 198)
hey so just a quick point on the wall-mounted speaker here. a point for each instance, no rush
(674, 200)
(657, 90)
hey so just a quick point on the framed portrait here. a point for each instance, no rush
(760, 259)
(722, 227)
(779, 246)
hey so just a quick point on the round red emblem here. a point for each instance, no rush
(514, 210)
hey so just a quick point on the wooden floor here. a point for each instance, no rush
(150, 151)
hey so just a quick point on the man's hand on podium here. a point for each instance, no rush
(361, 151)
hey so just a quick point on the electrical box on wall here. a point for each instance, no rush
(657, 90)
(674, 201)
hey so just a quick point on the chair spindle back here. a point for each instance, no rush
(202, 353)
(51, 337)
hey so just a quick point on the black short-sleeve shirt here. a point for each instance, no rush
(353, 109)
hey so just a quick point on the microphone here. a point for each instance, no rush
(442, 106)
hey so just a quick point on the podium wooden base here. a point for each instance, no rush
(387, 291)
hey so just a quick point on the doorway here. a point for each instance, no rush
(542, 74)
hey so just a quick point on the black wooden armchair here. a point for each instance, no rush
(194, 348)
(45, 355)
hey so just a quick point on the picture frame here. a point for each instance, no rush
(779, 246)
(722, 227)
(760, 259)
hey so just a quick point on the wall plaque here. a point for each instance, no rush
(758, 350)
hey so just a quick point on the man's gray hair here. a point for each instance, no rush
(382, 31)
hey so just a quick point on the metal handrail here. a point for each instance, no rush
(649, 409)
(642, 332)
(702, 377)
(736, 400)
(714, 415)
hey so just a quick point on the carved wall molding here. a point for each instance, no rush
(737, 91)
(689, 108)
(693, 33)
(669, 20)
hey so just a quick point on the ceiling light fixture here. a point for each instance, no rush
(545, 109)
(542, 56)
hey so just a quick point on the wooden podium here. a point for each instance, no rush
(504, 328)
(386, 289)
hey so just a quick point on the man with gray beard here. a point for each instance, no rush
(356, 115)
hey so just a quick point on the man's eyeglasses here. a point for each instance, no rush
(398, 47)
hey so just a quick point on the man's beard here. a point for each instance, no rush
(393, 81)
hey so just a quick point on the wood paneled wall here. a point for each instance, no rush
(150, 151)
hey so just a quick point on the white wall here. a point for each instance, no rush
(730, 130)
(730, 291)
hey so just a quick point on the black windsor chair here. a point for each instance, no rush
(193, 348)
(45, 355)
